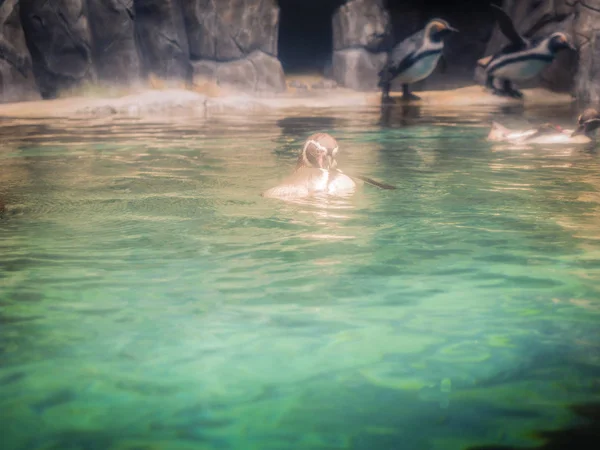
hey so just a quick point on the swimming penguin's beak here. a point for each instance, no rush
(452, 29)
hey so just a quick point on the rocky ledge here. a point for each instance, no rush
(168, 104)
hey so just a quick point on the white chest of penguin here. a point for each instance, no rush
(320, 180)
(422, 68)
(521, 70)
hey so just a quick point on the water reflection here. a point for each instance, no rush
(399, 114)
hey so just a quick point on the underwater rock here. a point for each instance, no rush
(115, 54)
(58, 37)
(16, 75)
(256, 73)
(162, 39)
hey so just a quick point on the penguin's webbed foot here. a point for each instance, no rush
(506, 93)
(410, 97)
(387, 100)
(515, 93)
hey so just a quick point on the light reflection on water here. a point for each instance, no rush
(150, 298)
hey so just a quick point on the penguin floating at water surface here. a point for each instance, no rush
(520, 60)
(317, 173)
(587, 125)
(414, 59)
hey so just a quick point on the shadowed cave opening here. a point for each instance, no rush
(305, 43)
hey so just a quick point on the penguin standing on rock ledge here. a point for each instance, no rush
(520, 60)
(414, 59)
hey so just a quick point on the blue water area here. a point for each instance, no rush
(150, 298)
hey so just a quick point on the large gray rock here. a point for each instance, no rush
(361, 31)
(225, 30)
(115, 54)
(162, 39)
(58, 38)
(16, 75)
(257, 73)
(361, 23)
(357, 68)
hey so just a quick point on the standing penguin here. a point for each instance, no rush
(414, 59)
(520, 60)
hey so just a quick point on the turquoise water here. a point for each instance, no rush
(151, 299)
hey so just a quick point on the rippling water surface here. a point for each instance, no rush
(150, 298)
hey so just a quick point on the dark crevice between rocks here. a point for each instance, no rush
(585, 5)
(305, 41)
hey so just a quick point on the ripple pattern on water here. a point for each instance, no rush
(150, 298)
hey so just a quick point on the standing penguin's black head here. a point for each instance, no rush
(588, 122)
(319, 151)
(559, 41)
(438, 29)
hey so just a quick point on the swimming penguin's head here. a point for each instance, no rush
(319, 151)
(559, 41)
(588, 122)
(438, 29)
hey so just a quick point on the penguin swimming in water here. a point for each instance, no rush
(414, 59)
(588, 123)
(317, 173)
(520, 60)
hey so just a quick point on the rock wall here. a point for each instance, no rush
(48, 47)
(162, 38)
(114, 50)
(587, 34)
(16, 73)
(59, 41)
(361, 30)
(580, 19)
(234, 43)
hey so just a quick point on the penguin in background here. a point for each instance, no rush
(414, 59)
(520, 60)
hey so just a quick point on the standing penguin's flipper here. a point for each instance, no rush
(507, 26)
(408, 96)
(443, 64)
